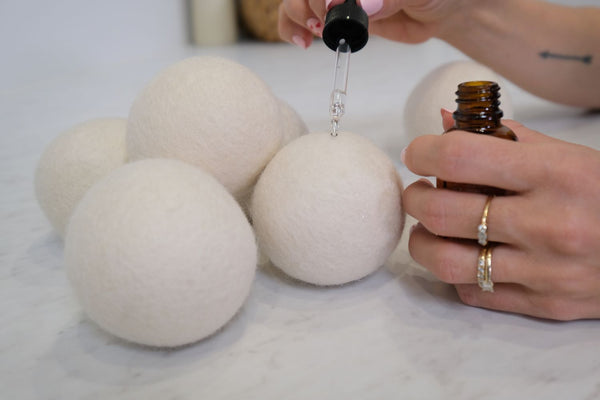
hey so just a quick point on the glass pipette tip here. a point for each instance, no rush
(340, 85)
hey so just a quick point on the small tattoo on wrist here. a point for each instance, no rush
(586, 59)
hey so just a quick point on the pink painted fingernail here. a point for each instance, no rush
(445, 111)
(371, 6)
(412, 228)
(327, 3)
(403, 156)
(298, 41)
(315, 26)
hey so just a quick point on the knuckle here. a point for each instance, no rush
(569, 235)
(434, 215)
(292, 8)
(450, 154)
(445, 266)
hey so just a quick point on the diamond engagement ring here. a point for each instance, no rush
(484, 270)
(482, 238)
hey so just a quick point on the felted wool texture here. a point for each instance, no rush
(293, 126)
(438, 89)
(159, 253)
(327, 210)
(209, 112)
(73, 162)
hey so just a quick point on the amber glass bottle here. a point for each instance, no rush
(478, 111)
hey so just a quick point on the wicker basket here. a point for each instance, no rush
(260, 18)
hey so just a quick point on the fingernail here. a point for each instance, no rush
(412, 228)
(298, 41)
(403, 156)
(315, 26)
(445, 111)
(371, 6)
(327, 3)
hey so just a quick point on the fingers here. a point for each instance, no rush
(458, 214)
(374, 7)
(525, 135)
(400, 27)
(455, 262)
(382, 9)
(518, 299)
(464, 157)
(299, 20)
(328, 4)
(514, 220)
(291, 31)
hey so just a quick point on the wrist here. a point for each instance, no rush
(471, 21)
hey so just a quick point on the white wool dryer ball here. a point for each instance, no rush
(73, 162)
(159, 253)
(293, 126)
(438, 89)
(327, 210)
(209, 112)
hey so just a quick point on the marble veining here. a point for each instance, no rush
(398, 333)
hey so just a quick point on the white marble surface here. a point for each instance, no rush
(396, 334)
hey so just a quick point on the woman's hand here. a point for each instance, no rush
(410, 21)
(545, 238)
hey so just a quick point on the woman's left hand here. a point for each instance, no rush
(545, 237)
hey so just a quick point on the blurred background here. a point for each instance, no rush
(67, 61)
(69, 35)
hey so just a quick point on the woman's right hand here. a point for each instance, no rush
(409, 21)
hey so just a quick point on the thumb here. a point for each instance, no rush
(379, 9)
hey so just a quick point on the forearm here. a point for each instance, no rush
(550, 50)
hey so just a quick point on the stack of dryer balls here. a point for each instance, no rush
(211, 113)
(157, 248)
(73, 162)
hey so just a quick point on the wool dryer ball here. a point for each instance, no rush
(327, 210)
(159, 253)
(437, 89)
(73, 162)
(209, 112)
(293, 126)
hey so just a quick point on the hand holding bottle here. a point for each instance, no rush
(545, 234)
(546, 256)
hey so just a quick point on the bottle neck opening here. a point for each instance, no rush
(478, 106)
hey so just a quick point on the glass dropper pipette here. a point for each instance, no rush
(346, 30)
(337, 105)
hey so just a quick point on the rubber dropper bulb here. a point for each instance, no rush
(346, 21)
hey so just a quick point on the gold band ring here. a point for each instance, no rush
(482, 237)
(484, 269)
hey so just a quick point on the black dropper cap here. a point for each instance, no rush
(346, 21)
